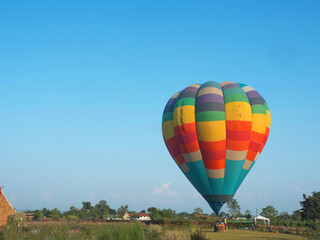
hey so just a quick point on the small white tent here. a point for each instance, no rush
(262, 218)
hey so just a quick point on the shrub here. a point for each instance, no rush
(153, 232)
(196, 233)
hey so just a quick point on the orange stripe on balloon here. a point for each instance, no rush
(213, 146)
(236, 125)
(188, 127)
(237, 145)
(251, 155)
(258, 137)
(190, 147)
(265, 138)
(215, 164)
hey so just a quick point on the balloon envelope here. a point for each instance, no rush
(215, 133)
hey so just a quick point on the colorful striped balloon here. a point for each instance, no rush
(215, 133)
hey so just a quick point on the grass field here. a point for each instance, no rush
(247, 234)
(234, 234)
(123, 231)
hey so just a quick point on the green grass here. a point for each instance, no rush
(123, 231)
(67, 231)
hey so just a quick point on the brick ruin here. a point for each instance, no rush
(5, 209)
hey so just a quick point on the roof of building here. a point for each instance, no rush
(139, 214)
(30, 214)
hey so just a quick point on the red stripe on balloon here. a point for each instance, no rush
(184, 138)
(213, 155)
(190, 147)
(237, 145)
(238, 135)
(254, 146)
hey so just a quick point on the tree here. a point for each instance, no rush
(46, 213)
(234, 208)
(269, 212)
(198, 211)
(296, 215)
(135, 216)
(56, 214)
(37, 214)
(153, 213)
(122, 210)
(283, 216)
(102, 208)
(222, 214)
(72, 213)
(310, 207)
(73, 210)
(183, 215)
(86, 205)
(112, 211)
(167, 213)
(247, 214)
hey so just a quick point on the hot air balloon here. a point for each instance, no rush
(215, 133)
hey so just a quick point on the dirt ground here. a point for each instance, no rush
(235, 234)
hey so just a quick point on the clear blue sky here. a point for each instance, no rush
(83, 85)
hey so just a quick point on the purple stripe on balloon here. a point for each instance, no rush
(170, 105)
(191, 89)
(210, 98)
(230, 85)
(252, 94)
(172, 101)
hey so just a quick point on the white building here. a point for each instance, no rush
(141, 216)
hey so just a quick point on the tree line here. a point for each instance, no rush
(100, 210)
(310, 210)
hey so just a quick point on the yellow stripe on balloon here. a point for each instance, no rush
(183, 115)
(211, 131)
(268, 119)
(225, 83)
(258, 127)
(238, 111)
(259, 118)
(167, 130)
(259, 122)
(209, 90)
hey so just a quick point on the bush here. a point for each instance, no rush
(18, 219)
(153, 232)
(196, 233)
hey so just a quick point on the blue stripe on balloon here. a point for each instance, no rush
(198, 177)
(242, 176)
(231, 179)
(216, 185)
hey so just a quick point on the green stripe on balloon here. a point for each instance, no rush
(210, 116)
